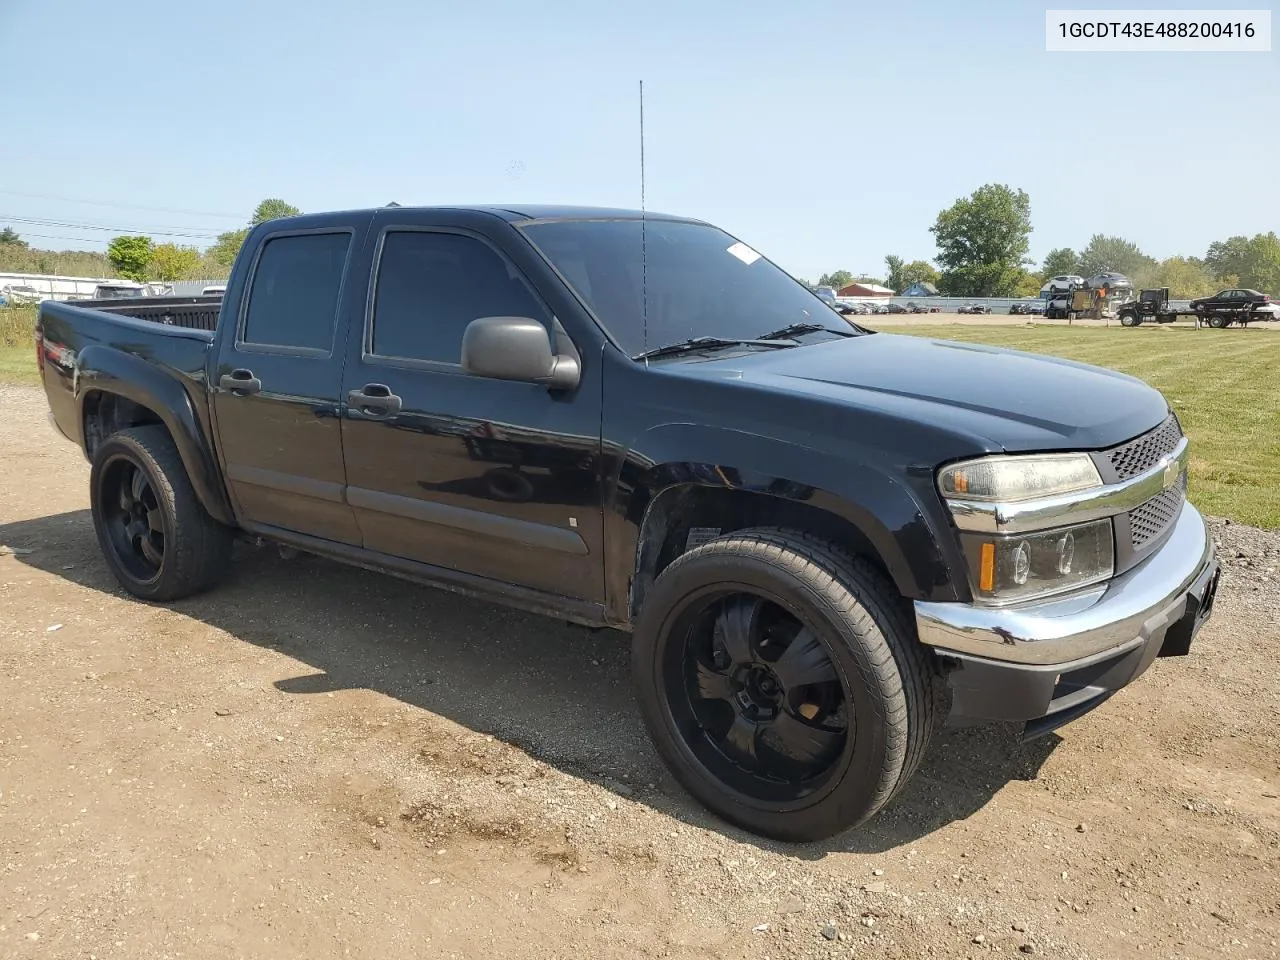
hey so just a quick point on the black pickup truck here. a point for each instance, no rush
(825, 541)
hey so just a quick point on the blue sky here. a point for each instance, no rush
(825, 134)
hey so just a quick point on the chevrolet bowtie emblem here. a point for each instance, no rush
(1170, 473)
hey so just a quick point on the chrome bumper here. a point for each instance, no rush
(1123, 612)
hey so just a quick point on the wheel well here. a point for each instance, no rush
(682, 518)
(108, 413)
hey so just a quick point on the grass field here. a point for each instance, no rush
(17, 350)
(1224, 384)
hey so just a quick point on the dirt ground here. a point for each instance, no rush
(315, 761)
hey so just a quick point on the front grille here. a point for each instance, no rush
(1140, 455)
(1153, 518)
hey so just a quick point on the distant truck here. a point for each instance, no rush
(1220, 310)
(1235, 306)
(1098, 297)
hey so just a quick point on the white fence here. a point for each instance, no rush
(49, 286)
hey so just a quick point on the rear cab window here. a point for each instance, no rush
(294, 294)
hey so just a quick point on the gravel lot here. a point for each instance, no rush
(316, 761)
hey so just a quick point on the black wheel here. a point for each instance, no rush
(782, 683)
(1217, 321)
(157, 539)
(1128, 320)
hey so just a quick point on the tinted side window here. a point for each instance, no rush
(431, 285)
(294, 298)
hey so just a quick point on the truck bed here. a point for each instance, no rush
(77, 343)
(194, 313)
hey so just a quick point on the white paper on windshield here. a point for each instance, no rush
(744, 253)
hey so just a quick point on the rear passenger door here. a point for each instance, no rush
(276, 390)
(493, 478)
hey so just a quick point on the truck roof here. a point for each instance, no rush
(512, 213)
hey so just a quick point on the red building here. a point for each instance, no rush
(864, 290)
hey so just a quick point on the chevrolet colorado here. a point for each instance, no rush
(826, 542)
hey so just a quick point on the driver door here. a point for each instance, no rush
(494, 478)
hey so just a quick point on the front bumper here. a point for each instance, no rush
(1050, 662)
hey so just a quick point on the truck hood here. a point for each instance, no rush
(1003, 399)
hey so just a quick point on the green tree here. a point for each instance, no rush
(273, 209)
(130, 255)
(1254, 261)
(224, 251)
(902, 275)
(983, 241)
(893, 276)
(171, 262)
(9, 237)
(836, 279)
(1061, 261)
(1114, 254)
(917, 271)
(1186, 278)
(1028, 285)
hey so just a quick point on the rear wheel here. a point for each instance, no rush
(1217, 320)
(156, 537)
(782, 683)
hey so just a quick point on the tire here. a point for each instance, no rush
(156, 537)
(1217, 321)
(891, 696)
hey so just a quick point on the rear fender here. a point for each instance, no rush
(104, 370)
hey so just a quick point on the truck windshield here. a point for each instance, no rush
(692, 280)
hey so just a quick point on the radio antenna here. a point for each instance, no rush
(644, 253)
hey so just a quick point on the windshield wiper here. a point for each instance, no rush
(703, 343)
(796, 329)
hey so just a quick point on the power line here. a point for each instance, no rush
(50, 236)
(124, 206)
(158, 231)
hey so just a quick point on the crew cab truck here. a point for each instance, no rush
(825, 542)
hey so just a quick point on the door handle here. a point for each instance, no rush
(375, 400)
(240, 382)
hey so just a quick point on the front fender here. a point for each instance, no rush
(877, 499)
(101, 369)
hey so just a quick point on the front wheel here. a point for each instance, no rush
(1128, 320)
(155, 535)
(782, 683)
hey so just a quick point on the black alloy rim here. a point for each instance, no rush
(757, 698)
(133, 519)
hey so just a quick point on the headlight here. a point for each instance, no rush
(1020, 567)
(1004, 478)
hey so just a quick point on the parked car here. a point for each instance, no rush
(1235, 306)
(973, 308)
(214, 290)
(120, 291)
(1032, 305)
(894, 308)
(920, 308)
(1064, 283)
(21, 294)
(821, 538)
